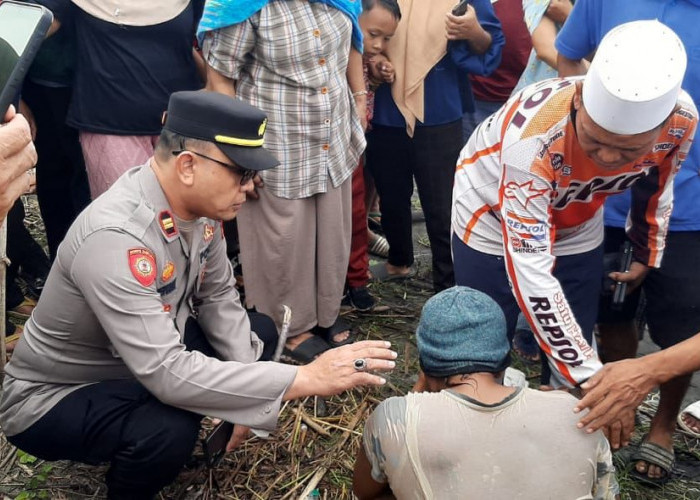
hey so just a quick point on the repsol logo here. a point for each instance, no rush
(583, 191)
(556, 337)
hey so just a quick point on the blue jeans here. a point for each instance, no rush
(482, 110)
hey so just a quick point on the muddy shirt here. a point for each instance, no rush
(527, 447)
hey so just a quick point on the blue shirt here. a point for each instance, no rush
(588, 23)
(447, 91)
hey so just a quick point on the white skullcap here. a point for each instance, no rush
(635, 78)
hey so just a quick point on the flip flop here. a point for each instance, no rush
(328, 333)
(380, 274)
(693, 410)
(378, 245)
(307, 351)
(653, 454)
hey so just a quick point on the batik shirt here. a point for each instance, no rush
(524, 184)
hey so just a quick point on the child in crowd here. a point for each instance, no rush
(379, 20)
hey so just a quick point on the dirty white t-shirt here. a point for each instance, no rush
(447, 446)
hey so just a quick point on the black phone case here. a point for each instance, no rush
(214, 445)
(14, 83)
(461, 8)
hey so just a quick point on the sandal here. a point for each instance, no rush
(328, 333)
(307, 351)
(653, 454)
(693, 410)
(24, 310)
(381, 274)
(378, 245)
(12, 339)
(374, 222)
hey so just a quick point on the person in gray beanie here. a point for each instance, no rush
(468, 435)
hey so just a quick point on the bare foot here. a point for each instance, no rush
(292, 342)
(692, 422)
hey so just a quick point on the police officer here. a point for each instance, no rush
(140, 330)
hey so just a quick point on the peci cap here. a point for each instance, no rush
(462, 330)
(635, 77)
(237, 128)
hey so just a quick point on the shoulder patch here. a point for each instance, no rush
(167, 224)
(142, 264)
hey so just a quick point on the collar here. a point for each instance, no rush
(154, 198)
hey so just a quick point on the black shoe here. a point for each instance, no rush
(361, 299)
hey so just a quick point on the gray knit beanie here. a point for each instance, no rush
(462, 330)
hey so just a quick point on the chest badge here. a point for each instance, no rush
(168, 271)
(142, 264)
(208, 232)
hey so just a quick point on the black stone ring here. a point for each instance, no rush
(360, 364)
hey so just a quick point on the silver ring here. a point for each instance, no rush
(360, 364)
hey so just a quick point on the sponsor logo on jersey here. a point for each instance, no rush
(142, 265)
(526, 228)
(584, 191)
(566, 170)
(524, 193)
(663, 146)
(526, 246)
(685, 114)
(545, 147)
(678, 133)
(561, 331)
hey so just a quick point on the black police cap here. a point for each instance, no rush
(237, 128)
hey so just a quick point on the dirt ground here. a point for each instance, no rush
(316, 440)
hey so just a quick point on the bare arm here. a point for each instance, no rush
(543, 42)
(218, 82)
(363, 484)
(571, 67)
(356, 82)
(619, 387)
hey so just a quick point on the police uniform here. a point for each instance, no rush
(115, 309)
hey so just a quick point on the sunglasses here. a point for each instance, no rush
(246, 174)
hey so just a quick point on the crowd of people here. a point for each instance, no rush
(173, 139)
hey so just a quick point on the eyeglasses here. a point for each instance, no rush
(246, 174)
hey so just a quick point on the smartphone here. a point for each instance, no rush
(214, 445)
(23, 27)
(461, 8)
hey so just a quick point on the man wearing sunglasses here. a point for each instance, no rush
(140, 330)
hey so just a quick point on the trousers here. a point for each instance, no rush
(145, 441)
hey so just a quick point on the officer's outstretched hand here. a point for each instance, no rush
(343, 368)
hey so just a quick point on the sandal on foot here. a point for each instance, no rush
(381, 274)
(378, 245)
(653, 454)
(328, 333)
(693, 410)
(374, 222)
(24, 310)
(308, 350)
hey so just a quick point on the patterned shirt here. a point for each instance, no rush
(446, 445)
(290, 60)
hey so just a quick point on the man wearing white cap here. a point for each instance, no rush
(672, 291)
(531, 182)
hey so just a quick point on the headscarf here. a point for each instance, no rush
(220, 14)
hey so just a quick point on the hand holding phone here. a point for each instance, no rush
(214, 445)
(461, 8)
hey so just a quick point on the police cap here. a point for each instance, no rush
(237, 128)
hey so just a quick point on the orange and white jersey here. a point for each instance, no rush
(523, 183)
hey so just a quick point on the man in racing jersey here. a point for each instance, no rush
(531, 182)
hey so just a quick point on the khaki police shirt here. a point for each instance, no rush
(115, 305)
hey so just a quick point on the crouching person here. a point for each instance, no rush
(140, 331)
(469, 436)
